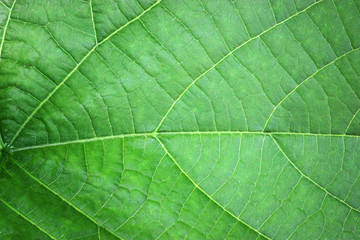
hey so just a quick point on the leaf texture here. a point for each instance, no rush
(193, 119)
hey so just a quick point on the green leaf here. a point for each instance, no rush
(166, 119)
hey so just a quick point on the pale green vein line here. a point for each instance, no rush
(1, 2)
(352, 119)
(62, 198)
(84, 141)
(5, 28)
(26, 218)
(258, 132)
(312, 75)
(206, 194)
(75, 69)
(177, 133)
(48, 97)
(93, 21)
(222, 59)
(308, 178)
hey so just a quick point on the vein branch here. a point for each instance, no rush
(62, 198)
(227, 55)
(93, 21)
(312, 75)
(5, 28)
(308, 178)
(75, 69)
(351, 121)
(206, 194)
(26, 218)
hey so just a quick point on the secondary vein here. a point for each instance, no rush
(5, 28)
(312, 75)
(206, 194)
(119, 29)
(308, 178)
(222, 59)
(26, 218)
(75, 69)
(62, 198)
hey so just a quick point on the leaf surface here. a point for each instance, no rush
(180, 119)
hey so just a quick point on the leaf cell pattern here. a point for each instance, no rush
(164, 119)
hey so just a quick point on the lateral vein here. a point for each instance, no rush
(223, 58)
(308, 178)
(62, 198)
(297, 86)
(206, 194)
(26, 218)
(5, 28)
(75, 69)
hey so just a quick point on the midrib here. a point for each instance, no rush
(179, 133)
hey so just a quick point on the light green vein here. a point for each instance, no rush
(227, 55)
(206, 194)
(352, 119)
(5, 28)
(312, 75)
(119, 29)
(62, 198)
(26, 218)
(176, 133)
(308, 178)
(93, 21)
(74, 70)
(2, 3)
